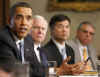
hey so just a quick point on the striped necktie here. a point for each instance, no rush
(21, 46)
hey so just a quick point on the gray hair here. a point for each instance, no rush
(41, 18)
(86, 23)
(37, 17)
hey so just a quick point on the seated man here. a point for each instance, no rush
(58, 50)
(82, 44)
(38, 34)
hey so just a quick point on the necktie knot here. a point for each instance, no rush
(38, 48)
(20, 45)
(63, 53)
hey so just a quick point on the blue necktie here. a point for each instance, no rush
(63, 53)
(21, 45)
(43, 60)
(43, 57)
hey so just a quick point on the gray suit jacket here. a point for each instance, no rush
(91, 52)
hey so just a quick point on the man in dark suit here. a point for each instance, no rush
(15, 45)
(60, 27)
(58, 50)
(20, 23)
(38, 34)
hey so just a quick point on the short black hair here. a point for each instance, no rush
(19, 4)
(87, 23)
(58, 18)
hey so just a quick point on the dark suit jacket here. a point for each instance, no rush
(53, 53)
(10, 53)
(37, 69)
(8, 48)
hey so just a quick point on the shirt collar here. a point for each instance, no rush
(81, 46)
(18, 41)
(59, 46)
(36, 46)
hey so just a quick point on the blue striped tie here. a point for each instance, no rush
(21, 45)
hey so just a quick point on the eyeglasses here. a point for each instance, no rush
(85, 31)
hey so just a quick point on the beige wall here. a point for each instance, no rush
(40, 6)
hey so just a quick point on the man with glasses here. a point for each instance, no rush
(81, 44)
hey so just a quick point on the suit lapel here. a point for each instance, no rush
(43, 57)
(17, 52)
(91, 54)
(55, 52)
(12, 43)
(30, 54)
(67, 51)
(28, 49)
(77, 51)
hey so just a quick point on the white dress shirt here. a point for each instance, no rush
(18, 42)
(37, 52)
(60, 48)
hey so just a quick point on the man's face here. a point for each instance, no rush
(22, 21)
(39, 30)
(85, 34)
(61, 30)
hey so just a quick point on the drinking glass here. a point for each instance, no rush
(52, 68)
